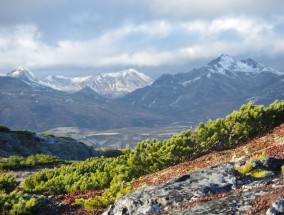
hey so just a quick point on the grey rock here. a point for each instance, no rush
(189, 187)
(277, 208)
(234, 204)
(28, 143)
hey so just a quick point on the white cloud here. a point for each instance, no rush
(146, 44)
(204, 9)
(243, 25)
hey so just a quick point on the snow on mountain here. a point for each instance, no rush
(107, 84)
(120, 83)
(110, 85)
(228, 66)
(67, 84)
(224, 79)
(24, 74)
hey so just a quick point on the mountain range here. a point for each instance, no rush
(96, 102)
(109, 85)
(211, 91)
(31, 106)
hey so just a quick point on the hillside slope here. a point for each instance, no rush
(116, 176)
(25, 143)
(211, 91)
(211, 184)
(271, 143)
(30, 106)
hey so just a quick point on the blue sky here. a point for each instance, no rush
(75, 38)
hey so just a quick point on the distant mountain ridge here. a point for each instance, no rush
(212, 90)
(209, 92)
(32, 106)
(110, 85)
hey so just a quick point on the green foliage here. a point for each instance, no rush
(246, 169)
(4, 129)
(20, 203)
(282, 169)
(250, 168)
(261, 173)
(47, 135)
(25, 132)
(16, 162)
(262, 156)
(7, 183)
(112, 153)
(108, 197)
(90, 174)
(153, 155)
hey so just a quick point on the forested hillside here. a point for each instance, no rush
(114, 175)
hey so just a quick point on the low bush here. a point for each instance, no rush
(153, 155)
(19, 203)
(17, 162)
(8, 183)
(4, 129)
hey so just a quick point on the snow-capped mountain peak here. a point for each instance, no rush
(129, 74)
(228, 66)
(110, 85)
(120, 83)
(63, 83)
(23, 73)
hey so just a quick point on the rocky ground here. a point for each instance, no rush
(210, 184)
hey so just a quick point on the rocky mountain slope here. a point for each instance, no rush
(245, 180)
(209, 92)
(30, 106)
(212, 90)
(110, 85)
(25, 143)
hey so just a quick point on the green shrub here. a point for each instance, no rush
(25, 132)
(108, 197)
(4, 129)
(152, 155)
(261, 156)
(112, 153)
(8, 183)
(17, 162)
(20, 203)
(261, 174)
(250, 168)
(47, 135)
(245, 169)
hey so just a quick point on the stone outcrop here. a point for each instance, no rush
(24, 143)
(277, 208)
(214, 190)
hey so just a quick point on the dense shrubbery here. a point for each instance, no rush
(16, 162)
(17, 202)
(25, 132)
(90, 174)
(4, 129)
(8, 183)
(20, 203)
(152, 155)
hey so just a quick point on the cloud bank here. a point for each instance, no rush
(95, 34)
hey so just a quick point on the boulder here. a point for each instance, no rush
(189, 187)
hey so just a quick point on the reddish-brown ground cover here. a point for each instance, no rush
(272, 143)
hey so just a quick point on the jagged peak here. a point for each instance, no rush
(224, 58)
(23, 73)
(225, 63)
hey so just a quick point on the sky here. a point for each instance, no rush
(85, 37)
